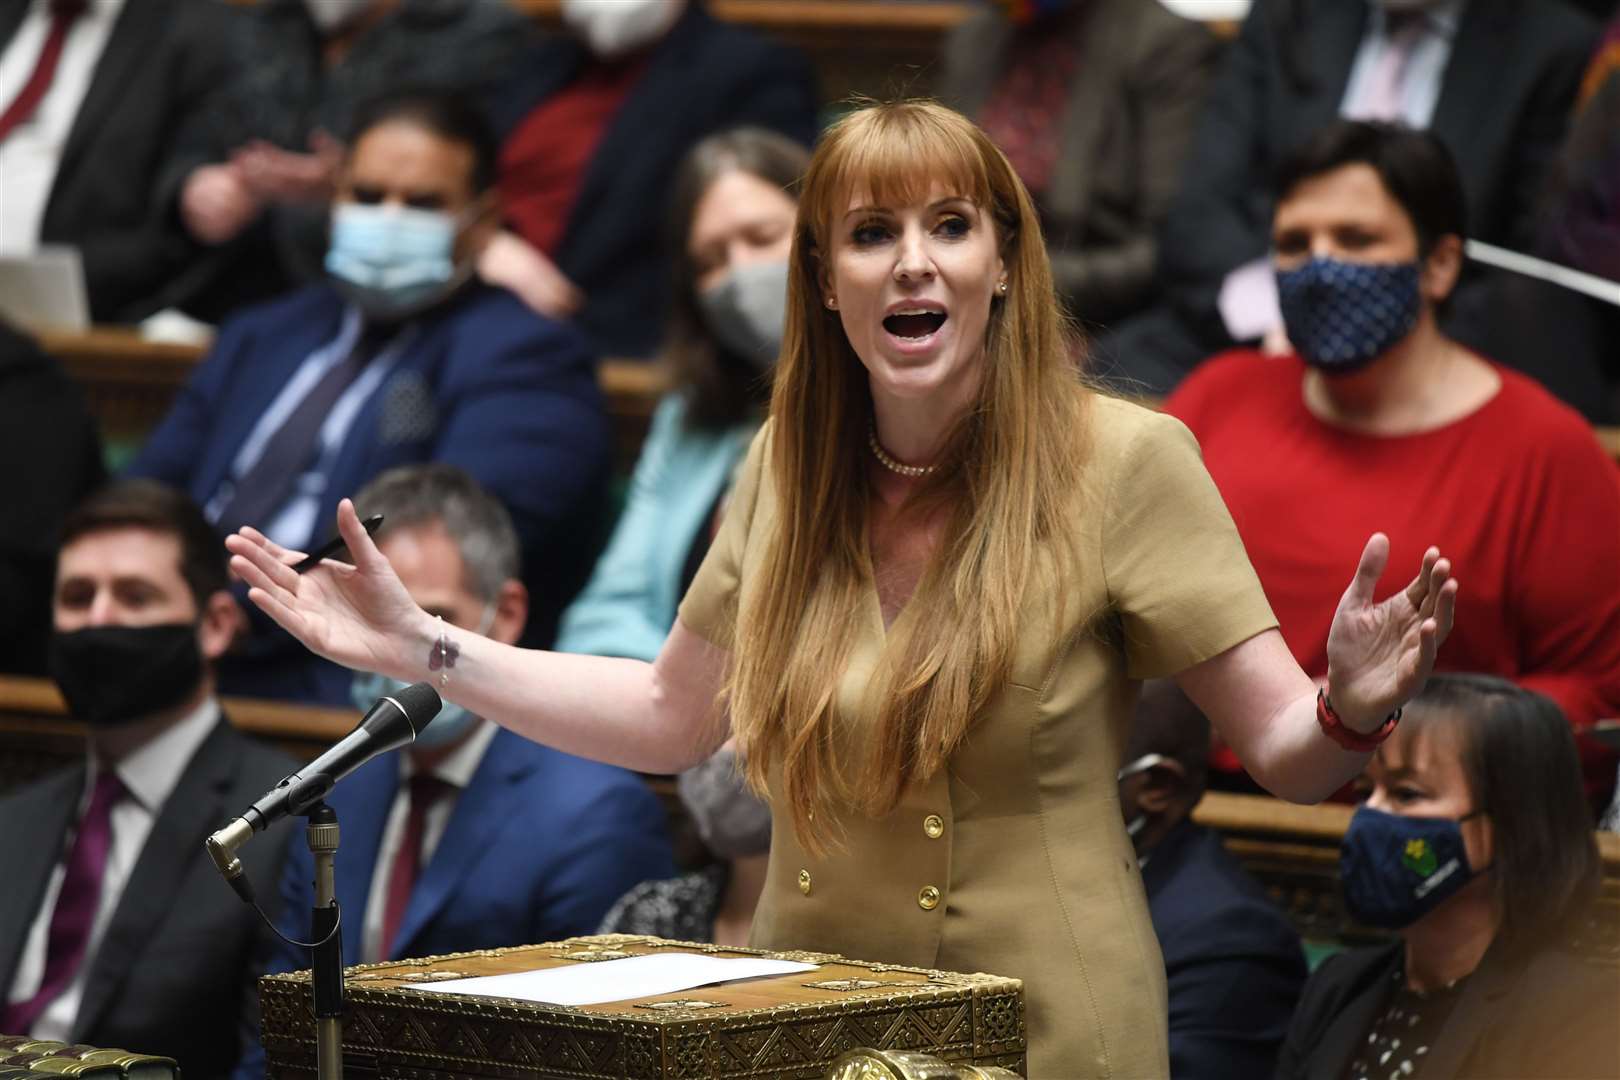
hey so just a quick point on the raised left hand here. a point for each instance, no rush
(284, 176)
(1380, 654)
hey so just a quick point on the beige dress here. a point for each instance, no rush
(1015, 860)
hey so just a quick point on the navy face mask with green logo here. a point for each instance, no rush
(1397, 869)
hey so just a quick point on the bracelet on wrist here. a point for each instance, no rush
(1349, 738)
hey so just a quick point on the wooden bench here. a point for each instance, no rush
(873, 48)
(130, 383)
(1609, 439)
(37, 738)
(1293, 850)
(881, 48)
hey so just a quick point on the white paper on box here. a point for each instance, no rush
(617, 980)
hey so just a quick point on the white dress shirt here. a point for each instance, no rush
(456, 770)
(149, 775)
(29, 155)
(1424, 69)
(1248, 297)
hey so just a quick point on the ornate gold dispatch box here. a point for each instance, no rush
(782, 1026)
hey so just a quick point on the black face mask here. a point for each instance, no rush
(113, 675)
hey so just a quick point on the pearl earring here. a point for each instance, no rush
(1001, 288)
(832, 303)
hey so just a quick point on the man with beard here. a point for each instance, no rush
(400, 357)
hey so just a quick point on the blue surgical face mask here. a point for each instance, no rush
(1341, 316)
(452, 721)
(1397, 869)
(391, 260)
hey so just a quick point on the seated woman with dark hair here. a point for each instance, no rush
(731, 222)
(1475, 845)
(1379, 421)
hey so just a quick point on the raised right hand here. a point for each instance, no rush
(216, 204)
(359, 615)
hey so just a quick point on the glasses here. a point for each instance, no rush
(1141, 764)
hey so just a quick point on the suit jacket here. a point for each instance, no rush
(1233, 962)
(704, 77)
(44, 422)
(1550, 1014)
(168, 977)
(1139, 82)
(486, 384)
(1504, 105)
(538, 847)
(116, 185)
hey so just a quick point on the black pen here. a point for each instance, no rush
(335, 545)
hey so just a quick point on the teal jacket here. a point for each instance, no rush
(628, 606)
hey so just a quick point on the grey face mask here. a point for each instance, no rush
(746, 311)
(730, 818)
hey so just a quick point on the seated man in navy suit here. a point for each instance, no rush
(472, 837)
(1233, 962)
(115, 929)
(401, 357)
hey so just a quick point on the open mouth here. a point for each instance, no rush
(914, 325)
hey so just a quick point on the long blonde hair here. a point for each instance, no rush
(1005, 488)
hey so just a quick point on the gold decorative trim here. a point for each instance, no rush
(410, 976)
(406, 1031)
(591, 956)
(844, 986)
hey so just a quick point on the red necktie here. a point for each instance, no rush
(425, 790)
(63, 14)
(75, 913)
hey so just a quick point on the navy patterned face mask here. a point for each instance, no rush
(1396, 869)
(1341, 316)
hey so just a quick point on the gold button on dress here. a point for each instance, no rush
(1036, 864)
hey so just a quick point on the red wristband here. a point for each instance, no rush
(1350, 739)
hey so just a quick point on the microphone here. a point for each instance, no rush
(391, 723)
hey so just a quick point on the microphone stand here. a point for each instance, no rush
(326, 975)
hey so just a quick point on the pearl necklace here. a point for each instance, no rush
(888, 462)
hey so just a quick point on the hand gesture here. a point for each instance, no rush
(510, 262)
(216, 204)
(359, 616)
(1380, 654)
(284, 176)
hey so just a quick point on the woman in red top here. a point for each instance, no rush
(1378, 419)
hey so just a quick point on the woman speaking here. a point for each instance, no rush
(944, 571)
